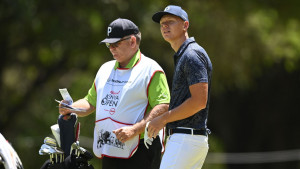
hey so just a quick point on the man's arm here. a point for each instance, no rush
(197, 102)
(159, 98)
(126, 133)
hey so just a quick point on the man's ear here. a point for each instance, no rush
(186, 25)
(133, 41)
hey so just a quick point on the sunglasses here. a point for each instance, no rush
(116, 44)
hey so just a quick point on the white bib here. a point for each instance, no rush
(122, 100)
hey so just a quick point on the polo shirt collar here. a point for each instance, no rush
(183, 47)
(132, 62)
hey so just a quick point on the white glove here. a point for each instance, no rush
(147, 140)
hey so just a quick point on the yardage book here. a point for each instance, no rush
(67, 97)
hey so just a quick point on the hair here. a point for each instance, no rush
(138, 37)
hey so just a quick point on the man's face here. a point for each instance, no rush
(122, 50)
(171, 27)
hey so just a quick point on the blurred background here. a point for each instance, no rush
(254, 47)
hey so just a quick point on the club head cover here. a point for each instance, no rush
(56, 132)
(67, 132)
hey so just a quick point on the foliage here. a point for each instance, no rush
(47, 45)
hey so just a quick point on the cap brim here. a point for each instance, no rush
(157, 16)
(110, 40)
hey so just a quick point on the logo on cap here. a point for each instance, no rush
(182, 16)
(108, 31)
(167, 8)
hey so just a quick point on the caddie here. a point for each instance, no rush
(127, 92)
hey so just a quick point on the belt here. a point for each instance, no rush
(188, 131)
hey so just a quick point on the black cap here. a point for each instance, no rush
(173, 10)
(118, 29)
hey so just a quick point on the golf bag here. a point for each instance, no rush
(65, 144)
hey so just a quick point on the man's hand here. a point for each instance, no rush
(125, 133)
(63, 111)
(155, 126)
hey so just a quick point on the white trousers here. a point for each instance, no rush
(185, 151)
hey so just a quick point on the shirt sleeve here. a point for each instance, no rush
(158, 92)
(195, 69)
(91, 97)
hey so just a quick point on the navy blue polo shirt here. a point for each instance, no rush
(192, 65)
